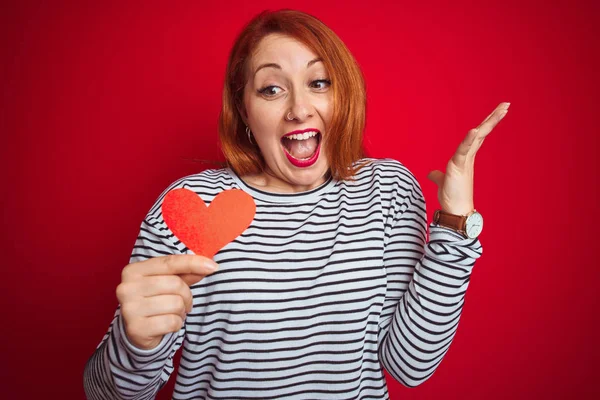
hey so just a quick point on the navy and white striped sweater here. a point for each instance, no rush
(323, 289)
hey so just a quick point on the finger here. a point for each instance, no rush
(149, 286)
(168, 284)
(475, 137)
(492, 120)
(163, 284)
(501, 106)
(469, 140)
(161, 305)
(436, 177)
(157, 326)
(170, 265)
(131, 292)
(467, 149)
(191, 279)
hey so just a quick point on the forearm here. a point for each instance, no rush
(118, 370)
(427, 316)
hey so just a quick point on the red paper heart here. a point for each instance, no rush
(205, 230)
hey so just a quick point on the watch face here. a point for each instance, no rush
(474, 225)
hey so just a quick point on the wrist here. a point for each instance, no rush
(464, 209)
(468, 225)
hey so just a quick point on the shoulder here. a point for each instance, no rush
(387, 173)
(207, 184)
(398, 187)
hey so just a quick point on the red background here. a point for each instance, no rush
(104, 104)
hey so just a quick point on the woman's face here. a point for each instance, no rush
(288, 106)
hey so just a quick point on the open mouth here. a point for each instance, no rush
(302, 147)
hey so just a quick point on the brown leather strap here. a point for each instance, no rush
(452, 221)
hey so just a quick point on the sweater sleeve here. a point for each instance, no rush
(118, 369)
(427, 282)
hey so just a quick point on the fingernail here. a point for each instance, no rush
(503, 114)
(507, 105)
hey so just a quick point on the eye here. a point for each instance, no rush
(270, 91)
(320, 84)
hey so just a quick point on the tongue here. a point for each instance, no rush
(302, 148)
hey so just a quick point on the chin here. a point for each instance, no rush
(308, 177)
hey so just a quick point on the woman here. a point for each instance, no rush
(333, 278)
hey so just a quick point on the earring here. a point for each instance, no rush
(287, 117)
(249, 133)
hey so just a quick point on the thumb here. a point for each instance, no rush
(436, 177)
(191, 279)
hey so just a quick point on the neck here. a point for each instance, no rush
(269, 182)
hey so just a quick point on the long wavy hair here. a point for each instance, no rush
(344, 139)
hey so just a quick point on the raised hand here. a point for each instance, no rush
(455, 187)
(155, 295)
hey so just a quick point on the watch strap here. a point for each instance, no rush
(452, 221)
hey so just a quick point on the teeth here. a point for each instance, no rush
(302, 136)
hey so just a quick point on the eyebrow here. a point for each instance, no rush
(277, 66)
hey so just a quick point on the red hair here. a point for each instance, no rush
(344, 139)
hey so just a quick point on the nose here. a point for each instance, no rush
(301, 108)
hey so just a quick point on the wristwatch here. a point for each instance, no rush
(470, 225)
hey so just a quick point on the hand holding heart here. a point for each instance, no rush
(455, 187)
(155, 295)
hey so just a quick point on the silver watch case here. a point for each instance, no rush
(474, 225)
